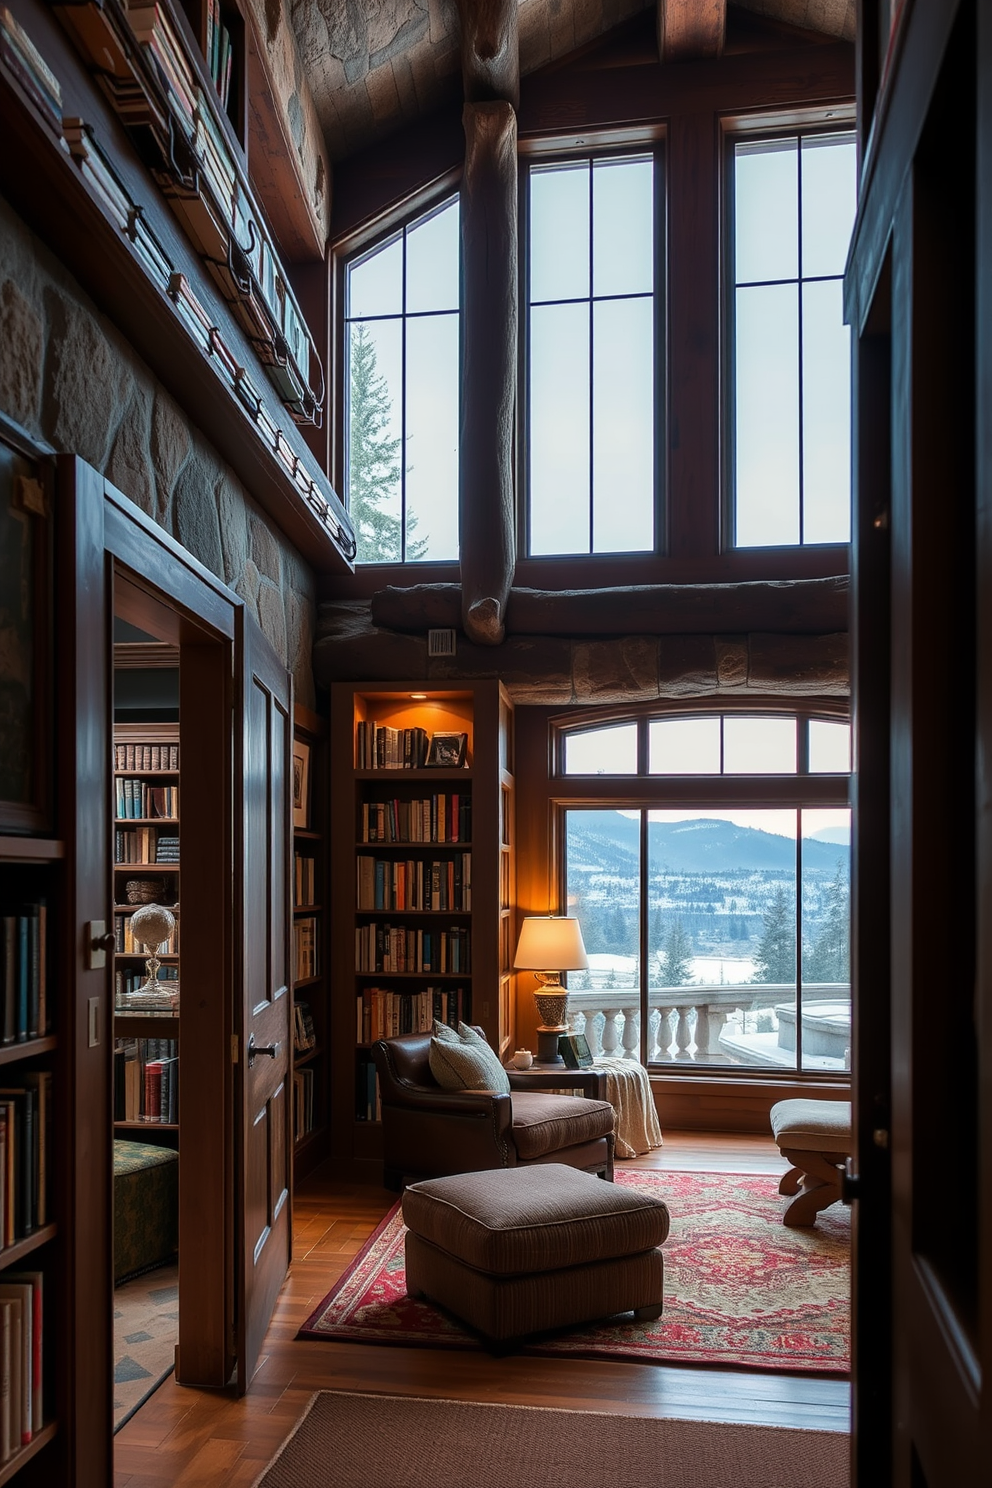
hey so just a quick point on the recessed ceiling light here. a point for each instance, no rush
(419, 697)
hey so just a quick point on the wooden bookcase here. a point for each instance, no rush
(311, 1075)
(151, 771)
(458, 940)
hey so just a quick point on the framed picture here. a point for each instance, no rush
(447, 751)
(25, 637)
(301, 784)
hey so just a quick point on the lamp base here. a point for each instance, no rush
(547, 1044)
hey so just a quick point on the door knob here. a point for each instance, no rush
(104, 942)
(255, 1049)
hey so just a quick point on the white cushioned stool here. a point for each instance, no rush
(519, 1250)
(815, 1136)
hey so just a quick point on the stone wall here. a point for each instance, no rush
(69, 377)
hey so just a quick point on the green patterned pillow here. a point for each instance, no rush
(445, 1033)
(467, 1066)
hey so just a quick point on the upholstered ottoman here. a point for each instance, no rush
(146, 1207)
(519, 1250)
(815, 1136)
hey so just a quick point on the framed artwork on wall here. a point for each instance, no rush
(25, 636)
(301, 784)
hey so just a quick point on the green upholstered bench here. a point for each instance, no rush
(146, 1207)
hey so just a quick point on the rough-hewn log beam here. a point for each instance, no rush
(795, 605)
(558, 671)
(490, 51)
(689, 30)
(489, 367)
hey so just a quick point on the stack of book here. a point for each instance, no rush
(382, 1013)
(302, 1103)
(167, 850)
(443, 817)
(380, 747)
(135, 799)
(24, 1010)
(21, 1366)
(303, 879)
(24, 62)
(395, 948)
(415, 884)
(25, 1155)
(146, 1080)
(152, 757)
(306, 960)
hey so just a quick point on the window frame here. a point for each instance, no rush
(644, 792)
(377, 234)
(800, 124)
(639, 148)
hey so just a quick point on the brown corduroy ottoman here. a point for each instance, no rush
(520, 1250)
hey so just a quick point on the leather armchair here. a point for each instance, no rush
(429, 1132)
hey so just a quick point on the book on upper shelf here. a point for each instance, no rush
(25, 1164)
(152, 757)
(303, 879)
(136, 799)
(384, 1013)
(24, 1009)
(146, 1080)
(304, 1034)
(306, 949)
(415, 884)
(445, 816)
(400, 948)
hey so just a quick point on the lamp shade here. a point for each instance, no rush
(550, 943)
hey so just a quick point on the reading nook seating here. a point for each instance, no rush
(529, 1248)
(815, 1136)
(429, 1132)
(146, 1207)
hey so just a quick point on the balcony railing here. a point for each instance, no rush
(709, 1024)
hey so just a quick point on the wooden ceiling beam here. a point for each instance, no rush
(691, 30)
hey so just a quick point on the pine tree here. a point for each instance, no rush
(374, 461)
(829, 959)
(776, 955)
(676, 964)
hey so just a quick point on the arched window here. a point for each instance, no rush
(707, 858)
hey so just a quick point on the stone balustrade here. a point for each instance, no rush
(685, 1024)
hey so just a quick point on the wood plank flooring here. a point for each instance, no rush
(198, 1439)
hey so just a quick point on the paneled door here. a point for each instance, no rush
(263, 1114)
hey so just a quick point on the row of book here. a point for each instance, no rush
(368, 1102)
(24, 1010)
(304, 881)
(22, 1329)
(395, 948)
(302, 1103)
(304, 1033)
(136, 798)
(220, 53)
(442, 817)
(144, 845)
(21, 57)
(380, 747)
(306, 951)
(415, 884)
(126, 945)
(25, 1154)
(383, 1013)
(146, 1080)
(152, 757)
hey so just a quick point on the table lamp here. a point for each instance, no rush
(548, 941)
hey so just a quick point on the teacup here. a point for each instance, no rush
(522, 1059)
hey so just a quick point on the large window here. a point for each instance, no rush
(713, 891)
(792, 210)
(402, 388)
(591, 394)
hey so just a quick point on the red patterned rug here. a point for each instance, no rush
(741, 1290)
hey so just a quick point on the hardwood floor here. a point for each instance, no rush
(196, 1438)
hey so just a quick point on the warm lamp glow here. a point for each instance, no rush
(550, 943)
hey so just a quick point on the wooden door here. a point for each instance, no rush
(263, 1136)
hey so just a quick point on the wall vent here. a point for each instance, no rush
(440, 643)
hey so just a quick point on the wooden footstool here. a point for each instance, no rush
(520, 1250)
(815, 1136)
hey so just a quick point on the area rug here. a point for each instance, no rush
(351, 1440)
(741, 1290)
(146, 1331)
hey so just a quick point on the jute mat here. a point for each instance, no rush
(384, 1441)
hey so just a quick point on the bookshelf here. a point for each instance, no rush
(146, 863)
(422, 877)
(311, 1076)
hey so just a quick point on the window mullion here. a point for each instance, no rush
(642, 941)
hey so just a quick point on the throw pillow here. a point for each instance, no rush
(465, 1066)
(445, 1033)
